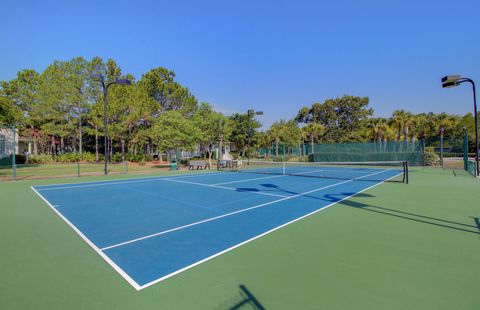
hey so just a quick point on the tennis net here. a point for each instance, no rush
(396, 171)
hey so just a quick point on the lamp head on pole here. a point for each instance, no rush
(449, 81)
(252, 112)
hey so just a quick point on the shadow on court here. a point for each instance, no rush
(244, 300)
(405, 215)
(379, 210)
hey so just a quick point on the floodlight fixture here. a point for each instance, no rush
(449, 81)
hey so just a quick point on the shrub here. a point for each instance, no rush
(87, 156)
(429, 149)
(68, 158)
(431, 159)
(117, 157)
(39, 159)
(20, 159)
(138, 158)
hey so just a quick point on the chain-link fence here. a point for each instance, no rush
(411, 151)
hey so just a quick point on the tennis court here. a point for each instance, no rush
(150, 229)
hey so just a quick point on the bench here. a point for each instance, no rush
(198, 164)
(225, 163)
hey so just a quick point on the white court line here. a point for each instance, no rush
(259, 236)
(224, 187)
(140, 287)
(240, 181)
(90, 243)
(135, 180)
(307, 172)
(271, 177)
(232, 213)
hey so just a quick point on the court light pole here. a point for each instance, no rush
(250, 112)
(105, 86)
(453, 81)
(442, 129)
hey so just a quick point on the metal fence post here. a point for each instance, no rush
(14, 162)
(465, 149)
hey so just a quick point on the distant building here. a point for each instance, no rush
(7, 145)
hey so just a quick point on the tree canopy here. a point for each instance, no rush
(61, 110)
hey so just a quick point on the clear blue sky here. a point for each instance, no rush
(275, 56)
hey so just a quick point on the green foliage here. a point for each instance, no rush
(430, 149)
(165, 93)
(87, 156)
(39, 159)
(75, 157)
(431, 159)
(61, 109)
(20, 159)
(9, 113)
(340, 117)
(117, 157)
(68, 158)
(240, 136)
(212, 127)
(173, 131)
(282, 131)
(138, 158)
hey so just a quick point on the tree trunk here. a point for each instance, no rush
(96, 143)
(276, 147)
(311, 137)
(35, 143)
(52, 142)
(62, 144)
(80, 144)
(110, 146)
(220, 148)
(399, 132)
(209, 152)
(379, 136)
(122, 142)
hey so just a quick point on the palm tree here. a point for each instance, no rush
(402, 120)
(445, 121)
(313, 130)
(420, 127)
(377, 128)
(275, 132)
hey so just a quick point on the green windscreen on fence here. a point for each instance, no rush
(471, 167)
(411, 151)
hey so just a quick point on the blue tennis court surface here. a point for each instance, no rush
(150, 229)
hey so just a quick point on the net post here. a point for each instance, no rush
(405, 172)
(284, 172)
